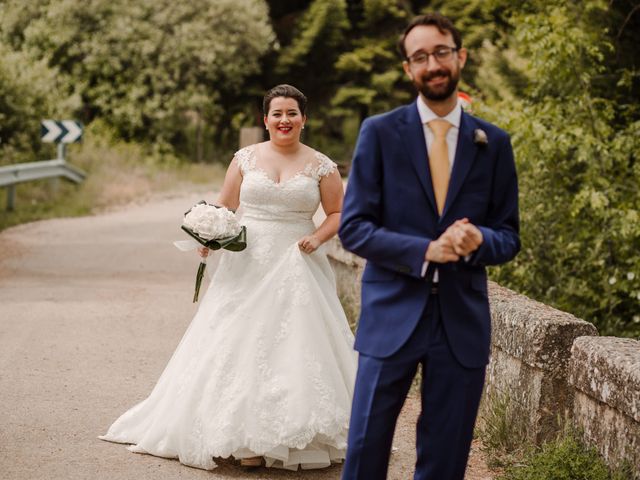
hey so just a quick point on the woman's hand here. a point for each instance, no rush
(309, 243)
(203, 251)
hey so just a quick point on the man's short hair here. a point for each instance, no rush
(442, 23)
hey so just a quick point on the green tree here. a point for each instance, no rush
(372, 80)
(29, 93)
(482, 24)
(575, 131)
(311, 36)
(153, 69)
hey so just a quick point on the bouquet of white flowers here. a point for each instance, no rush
(215, 228)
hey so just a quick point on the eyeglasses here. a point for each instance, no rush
(442, 55)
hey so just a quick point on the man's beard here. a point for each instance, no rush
(442, 92)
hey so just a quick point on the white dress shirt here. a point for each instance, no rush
(453, 117)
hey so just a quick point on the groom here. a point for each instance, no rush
(432, 199)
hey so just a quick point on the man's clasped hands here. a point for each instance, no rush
(461, 239)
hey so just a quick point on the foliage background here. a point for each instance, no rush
(176, 81)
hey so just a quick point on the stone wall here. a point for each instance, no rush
(530, 352)
(605, 373)
(348, 270)
(550, 366)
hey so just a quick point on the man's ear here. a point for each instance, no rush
(407, 69)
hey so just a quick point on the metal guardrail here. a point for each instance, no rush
(10, 175)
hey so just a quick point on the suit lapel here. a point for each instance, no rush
(465, 154)
(412, 137)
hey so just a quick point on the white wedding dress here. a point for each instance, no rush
(267, 366)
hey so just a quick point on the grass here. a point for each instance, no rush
(503, 435)
(502, 431)
(565, 458)
(118, 173)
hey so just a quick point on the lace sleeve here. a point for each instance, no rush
(325, 166)
(245, 158)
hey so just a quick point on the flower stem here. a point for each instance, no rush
(199, 276)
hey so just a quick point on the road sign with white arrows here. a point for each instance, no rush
(65, 131)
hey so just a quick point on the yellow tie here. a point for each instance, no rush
(439, 161)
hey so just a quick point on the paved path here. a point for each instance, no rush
(90, 311)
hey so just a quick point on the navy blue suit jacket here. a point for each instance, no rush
(389, 217)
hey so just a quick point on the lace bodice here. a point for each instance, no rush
(294, 198)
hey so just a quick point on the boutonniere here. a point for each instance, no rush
(480, 137)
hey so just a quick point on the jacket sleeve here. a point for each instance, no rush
(361, 230)
(501, 238)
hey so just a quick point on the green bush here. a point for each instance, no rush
(564, 459)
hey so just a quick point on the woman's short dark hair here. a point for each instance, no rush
(435, 19)
(286, 91)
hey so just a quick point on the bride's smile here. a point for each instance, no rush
(284, 121)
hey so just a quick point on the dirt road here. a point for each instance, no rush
(90, 311)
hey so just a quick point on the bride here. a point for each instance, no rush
(265, 370)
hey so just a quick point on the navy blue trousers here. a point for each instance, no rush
(450, 398)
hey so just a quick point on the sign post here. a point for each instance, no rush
(61, 132)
